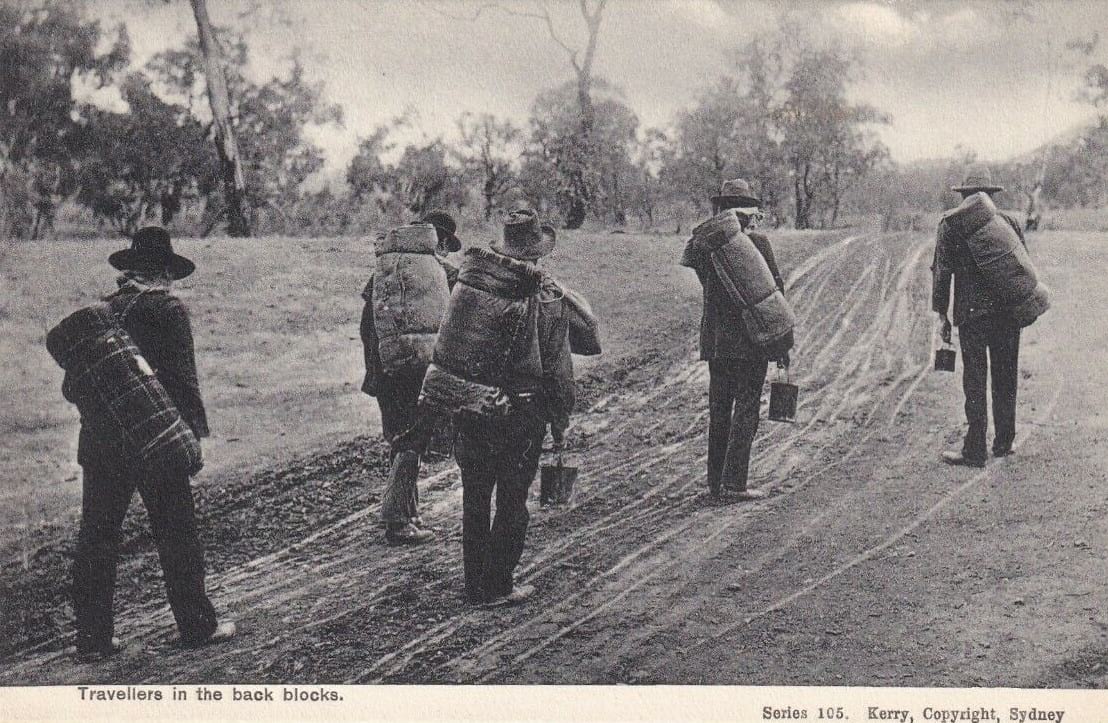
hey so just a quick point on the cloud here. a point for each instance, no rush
(873, 24)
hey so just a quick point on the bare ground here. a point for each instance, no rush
(869, 564)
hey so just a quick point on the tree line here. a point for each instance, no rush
(780, 117)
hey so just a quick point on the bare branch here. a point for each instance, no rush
(570, 51)
(542, 14)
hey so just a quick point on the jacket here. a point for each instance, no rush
(375, 368)
(505, 337)
(158, 323)
(952, 261)
(722, 329)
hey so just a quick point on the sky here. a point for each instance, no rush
(992, 76)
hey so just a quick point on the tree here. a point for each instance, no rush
(147, 161)
(555, 140)
(488, 149)
(234, 183)
(269, 122)
(46, 48)
(419, 181)
(822, 134)
(732, 131)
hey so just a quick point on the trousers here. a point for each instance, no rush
(398, 397)
(498, 455)
(107, 493)
(990, 343)
(734, 402)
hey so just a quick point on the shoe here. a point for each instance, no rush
(1003, 452)
(960, 459)
(407, 534)
(747, 494)
(518, 594)
(223, 632)
(96, 655)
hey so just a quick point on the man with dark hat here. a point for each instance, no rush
(737, 367)
(159, 325)
(988, 335)
(397, 394)
(502, 366)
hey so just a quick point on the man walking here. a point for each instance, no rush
(502, 366)
(737, 367)
(988, 335)
(406, 335)
(158, 323)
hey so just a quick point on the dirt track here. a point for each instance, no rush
(869, 563)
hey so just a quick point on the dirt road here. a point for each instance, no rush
(869, 563)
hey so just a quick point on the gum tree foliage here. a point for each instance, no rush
(780, 119)
(488, 152)
(45, 47)
(269, 121)
(146, 162)
(551, 171)
(825, 139)
(420, 180)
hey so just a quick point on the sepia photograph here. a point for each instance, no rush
(555, 342)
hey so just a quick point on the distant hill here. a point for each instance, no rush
(1064, 138)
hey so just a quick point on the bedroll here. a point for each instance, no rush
(410, 295)
(117, 392)
(767, 316)
(999, 255)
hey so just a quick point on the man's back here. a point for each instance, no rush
(722, 331)
(972, 296)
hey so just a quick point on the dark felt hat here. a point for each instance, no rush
(737, 190)
(446, 227)
(977, 179)
(151, 251)
(525, 237)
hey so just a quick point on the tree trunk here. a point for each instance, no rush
(233, 183)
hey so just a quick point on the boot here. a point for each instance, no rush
(407, 534)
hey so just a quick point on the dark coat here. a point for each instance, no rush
(722, 331)
(972, 298)
(367, 329)
(158, 322)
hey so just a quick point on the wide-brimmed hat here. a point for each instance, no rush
(525, 237)
(446, 226)
(737, 190)
(151, 251)
(977, 178)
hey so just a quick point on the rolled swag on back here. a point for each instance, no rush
(743, 273)
(116, 391)
(410, 295)
(487, 346)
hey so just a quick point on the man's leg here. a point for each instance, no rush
(1004, 351)
(721, 401)
(169, 504)
(973, 338)
(106, 495)
(408, 437)
(516, 466)
(750, 377)
(476, 458)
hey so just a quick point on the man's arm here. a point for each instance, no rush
(368, 331)
(941, 274)
(762, 244)
(1016, 227)
(178, 366)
